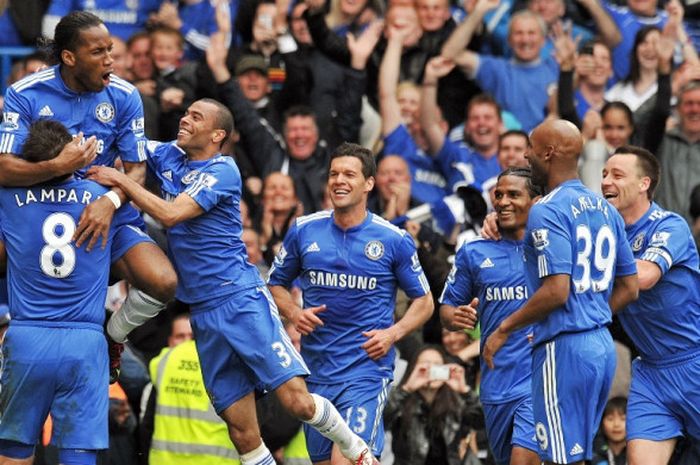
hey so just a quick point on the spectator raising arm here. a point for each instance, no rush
(430, 119)
(462, 35)
(607, 29)
(389, 78)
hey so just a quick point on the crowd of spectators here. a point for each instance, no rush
(443, 91)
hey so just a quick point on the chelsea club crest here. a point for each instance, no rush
(374, 250)
(638, 242)
(104, 112)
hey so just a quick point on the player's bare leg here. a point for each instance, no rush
(146, 267)
(523, 456)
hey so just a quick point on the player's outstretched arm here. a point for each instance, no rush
(169, 214)
(626, 290)
(553, 293)
(15, 171)
(379, 341)
(460, 317)
(305, 320)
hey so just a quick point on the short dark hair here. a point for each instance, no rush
(616, 404)
(348, 149)
(483, 99)
(514, 132)
(67, 33)
(647, 163)
(45, 141)
(618, 106)
(525, 173)
(223, 118)
(299, 110)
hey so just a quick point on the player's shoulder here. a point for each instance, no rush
(121, 87)
(313, 219)
(658, 218)
(473, 243)
(36, 81)
(385, 227)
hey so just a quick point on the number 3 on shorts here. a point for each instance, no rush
(281, 351)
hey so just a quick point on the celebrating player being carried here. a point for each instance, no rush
(575, 247)
(241, 343)
(54, 353)
(82, 93)
(350, 262)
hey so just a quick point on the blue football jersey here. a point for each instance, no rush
(50, 281)
(123, 18)
(355, 273)
(494, 271)
(464, 166)
(576, 232)
(209, 256)
(114, 115)
(427, 181)
(665, 320)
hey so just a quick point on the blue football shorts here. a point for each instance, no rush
(571, 378)
(58, 370)
(128, 235)
(361, 403)
(243, 346)
(664, 399)
(510, 424)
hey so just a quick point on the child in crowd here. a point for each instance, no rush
(176, 80)
(611, 448)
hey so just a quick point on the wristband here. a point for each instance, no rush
(114, 198)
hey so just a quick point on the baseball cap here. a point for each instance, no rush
(248, 62)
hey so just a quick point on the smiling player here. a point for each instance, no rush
(349, 262)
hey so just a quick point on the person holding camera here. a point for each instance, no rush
(432, 412)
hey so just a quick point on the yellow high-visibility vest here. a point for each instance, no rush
(187, 430)
(295, 452)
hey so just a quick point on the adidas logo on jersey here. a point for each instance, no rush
(576, 450)
(313, 248)
(46, 111)
(487, 263)
(168, 175)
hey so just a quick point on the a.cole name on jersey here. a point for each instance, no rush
(342, 280)
(495, 293)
